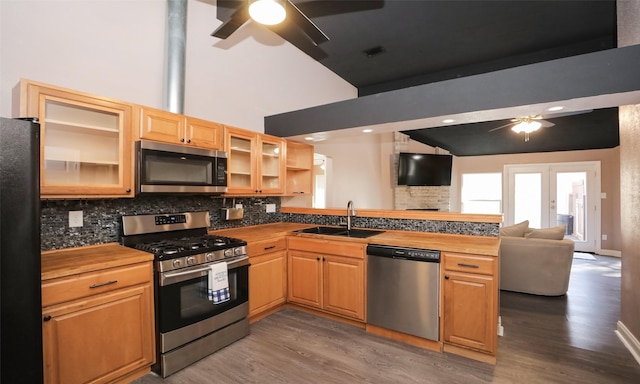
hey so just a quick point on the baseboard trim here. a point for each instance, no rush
(629, 340)
(609, 252)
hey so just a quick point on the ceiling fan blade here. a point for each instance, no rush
(305, 24)
(545, 123)
(500, 127)
(233, 14)
(290, 32)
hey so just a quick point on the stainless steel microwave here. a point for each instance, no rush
(175, 169)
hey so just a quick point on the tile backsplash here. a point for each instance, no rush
(102, 223)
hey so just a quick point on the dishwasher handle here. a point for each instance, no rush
(406, 253)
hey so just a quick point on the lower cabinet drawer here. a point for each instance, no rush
(257, 248)
(483, 265)
(86, 284)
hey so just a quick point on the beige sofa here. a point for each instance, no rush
(537, 262)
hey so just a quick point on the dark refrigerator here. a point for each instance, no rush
(20, 283)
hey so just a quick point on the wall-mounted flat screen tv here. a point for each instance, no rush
(424, 169)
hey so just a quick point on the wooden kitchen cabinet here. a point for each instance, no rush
(299, 169)
(168, 127)
(98, 326)
(85, 141)
(267, 275)
(470, 302)
(327, 275)
(255, 163)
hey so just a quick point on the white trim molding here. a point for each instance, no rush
(609, 252)
(629, 341)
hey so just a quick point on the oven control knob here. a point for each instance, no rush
(237, 251)
(228, 252)
(177, 263)
(210, 256)
(191, 260)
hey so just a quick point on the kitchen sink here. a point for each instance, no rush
(360, 233)
(333, 231)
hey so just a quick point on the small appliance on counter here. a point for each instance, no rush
(201, 285)
(233, 213)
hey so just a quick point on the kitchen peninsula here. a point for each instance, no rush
(325, 274)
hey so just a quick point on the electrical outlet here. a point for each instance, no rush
(271, 208)
(239, 206)
(75, 219)
(604, 236)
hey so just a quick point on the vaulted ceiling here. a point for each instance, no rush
(395, 44)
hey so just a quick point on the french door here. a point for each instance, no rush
(554, 194)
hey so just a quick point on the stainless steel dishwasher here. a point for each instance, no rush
(403, 289)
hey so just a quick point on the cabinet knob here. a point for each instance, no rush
(182, 140)
(317, 258)
(46, 318)
(128, 190)
(188, 141)
(446, 277)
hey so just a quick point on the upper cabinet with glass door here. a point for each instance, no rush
(85, 143)
(255, 163)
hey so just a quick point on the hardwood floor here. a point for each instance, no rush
(546, 340)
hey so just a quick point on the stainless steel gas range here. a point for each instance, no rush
(201, 285)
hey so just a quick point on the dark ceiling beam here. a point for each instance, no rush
(594, 45)
(605, 72)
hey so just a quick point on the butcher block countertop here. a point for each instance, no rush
(72, 261)
(479, 245)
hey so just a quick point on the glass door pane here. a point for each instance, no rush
(270, 165)
(81, 145)
(528, 198)
(571, 197)
(240, 163)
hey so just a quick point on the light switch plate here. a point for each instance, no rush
(75, 219)
(271, 208)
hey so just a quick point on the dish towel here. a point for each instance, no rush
(218, 291)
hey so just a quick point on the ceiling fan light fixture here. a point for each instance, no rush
(526, 126)
(267, 12)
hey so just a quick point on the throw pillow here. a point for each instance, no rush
(516, 230)
(553, 233)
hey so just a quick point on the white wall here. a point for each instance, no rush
(117, 48)
(359, 171)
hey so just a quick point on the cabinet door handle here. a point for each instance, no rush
(46, 318)
(92, 286)
(468, 265)
(269, 247)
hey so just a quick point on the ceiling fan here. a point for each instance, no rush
(297, 27)
(529, 124)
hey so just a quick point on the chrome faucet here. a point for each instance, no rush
(350, 213)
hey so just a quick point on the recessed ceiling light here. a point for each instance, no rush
(368, 130)
(553, 109)
(447, 121)
(309, 138)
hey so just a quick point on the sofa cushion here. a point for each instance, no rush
(553, 233)
(516, 230)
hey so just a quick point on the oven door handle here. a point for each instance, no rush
(191, 272)
(168, 278)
